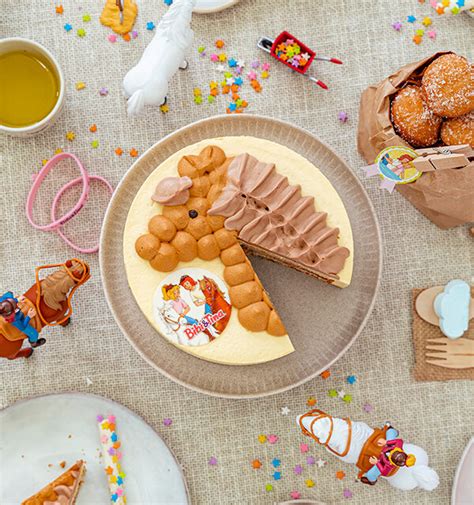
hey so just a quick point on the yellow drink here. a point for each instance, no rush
(29, 88)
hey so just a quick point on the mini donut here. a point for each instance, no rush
(255, 317)
(448, 86)
(459, 130)
(275, 326)
(166, 259)
(147, 246)
(412, 118)
(162, 227)
(208, 248)
(245, 294)
(185, 245)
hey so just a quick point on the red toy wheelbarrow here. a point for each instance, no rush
(288, 50)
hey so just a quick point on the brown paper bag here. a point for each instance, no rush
(446, 197)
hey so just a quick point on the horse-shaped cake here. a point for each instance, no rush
(46, 303)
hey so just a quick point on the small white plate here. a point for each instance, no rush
(46, 430)
(207, 6)
(463, 486)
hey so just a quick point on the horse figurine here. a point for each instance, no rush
(147, 82)
(46, 303)
(216, 301)
(357, 443)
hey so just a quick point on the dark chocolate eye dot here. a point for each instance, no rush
(193, 213)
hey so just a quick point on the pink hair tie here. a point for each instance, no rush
(30, 201)
(54, 206)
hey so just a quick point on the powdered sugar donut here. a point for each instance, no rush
(459, 130)
(448, 85)
(412, 118)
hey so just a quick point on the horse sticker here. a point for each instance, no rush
(192, 307)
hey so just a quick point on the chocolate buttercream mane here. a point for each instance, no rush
(270, 213)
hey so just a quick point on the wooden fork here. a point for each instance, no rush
(448, 353)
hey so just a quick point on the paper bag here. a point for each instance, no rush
(446, 197)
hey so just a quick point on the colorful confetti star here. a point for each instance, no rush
(214, 57)
(150, 26)
(134, 154)
(272, 439)
(310, 460)
(417, 39)
(256, 463)
(80, 85)
(341, 393)
(368, 408)
(220, 68)
(93, 128)
(342, 116)
(86, 18)
(198, 100)
(397, 26)
(347, 493)
(95, 144)
(264, 75)
(222, 57)
(431, 34)
(212, 461)
(351, 379)
(241, 63)
(81, 32)
(332, 393)
(276, 475)
(266, 67)
(103, 91)
(168, 2)
(211, 99)
(298, 469)
(112, 38)
(219, 44)
(268, 487)
(284, 410)
(232, 63)
(295, 495)
(320, 463)
(134, 34)
(118, 151)
(255, 64)
(276, 462)
(326, 374)
(126, 37)
(164, 108)
(304, 448)
(340, 475)
(167, 421)
(427, 21)
(70, 136)
(252, 75)
(411, 19)
(59, 9)
(309, 483)
(262, 439)
(347, 398)
(311, 401)
(68, 27)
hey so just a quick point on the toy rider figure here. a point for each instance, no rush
(13, 315)
(392, 457)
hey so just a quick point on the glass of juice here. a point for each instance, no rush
(31, 87)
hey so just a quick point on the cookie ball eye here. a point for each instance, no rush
(193, 214)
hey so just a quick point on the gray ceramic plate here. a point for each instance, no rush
(323, 321)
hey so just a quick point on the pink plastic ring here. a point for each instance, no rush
(58, 196)
(30, 201)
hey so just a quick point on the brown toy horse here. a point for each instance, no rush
(215, 299)
(51, 300)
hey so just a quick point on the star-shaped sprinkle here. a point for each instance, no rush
(134, 34)
(351, 379)
(272, 439)
(114, 437)
(295, 495)
(427, 21)
(168, 2)
(277, 475)
(126, 37)
(201, 49)
(214, 57)
(238, 70)
(417, 39)
(256, 463)
(58, 151)
(368, 408)
(232, 107)
(343, 117)
(285, 411)
(150, 26)
(167, 421)
(133, 153)
(411, 19)
(252, 75)
(304, 448)
(70, 136)
(347, 493)
(276, 462)
(262, 439)
(255, 64)
(311, 401)
(420, 32)
(68, 27)
(198, 100)
(109, 470)
(80, 85)
(265, 67)
(99, 418)
(81, 32)
(118, 151)
(238, 81)
(95, 144)
(309, 483)
(59, 9)
(326, 374)
(298, 469)
(232, 63)
(268, 487)
(332, 393)
(241, 63)
(341, 393)
(340, 475)
(347, 398)
(197, 92)
(93, 128)
(264, 74)
(320, 463)
(222, 57)
(310, 460)
(211, 99)
(212, 461)
(220, 68)
(119, 480)
(86, 18)
(112, 38)
(397, 26)
(219, 43)
(431, 34)
(103, 91)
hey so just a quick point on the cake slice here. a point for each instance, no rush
(63, 490)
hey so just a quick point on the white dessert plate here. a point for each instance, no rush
(208, 6)
(463, 485)
(49, 429)
(319, 330)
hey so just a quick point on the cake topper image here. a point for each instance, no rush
(192, 307)
(147, 82)
(377, 452)
(46, 303)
